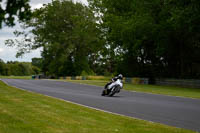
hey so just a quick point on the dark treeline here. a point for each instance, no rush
(15, 68)
(157, 38)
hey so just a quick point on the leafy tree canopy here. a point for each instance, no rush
(144, 38)
(66, 31)
(157, 36)
(11, 8)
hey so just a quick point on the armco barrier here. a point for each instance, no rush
(97, 78)
(137, 80)
(179, 82)
(83, 78)
(78, 77)
(169, 82)
(126, 79)
(73, 78)
(68, 78)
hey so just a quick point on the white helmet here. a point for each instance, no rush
(120, 76)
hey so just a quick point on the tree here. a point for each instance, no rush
(37, 62)
(129, 29)
(156, 37)
(19, 8)
(2, 67)
(68, 34)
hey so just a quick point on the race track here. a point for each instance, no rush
(174, 111)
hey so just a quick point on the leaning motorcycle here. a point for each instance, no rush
(113, 87)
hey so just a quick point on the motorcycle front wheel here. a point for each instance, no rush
(104, 92)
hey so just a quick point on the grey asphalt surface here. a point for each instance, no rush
(173, 111)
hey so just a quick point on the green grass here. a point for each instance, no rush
(155, 89)
(15, 77)
(25, 112)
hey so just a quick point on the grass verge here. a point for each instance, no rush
(25, 112)
(155, 89)
(15, 77)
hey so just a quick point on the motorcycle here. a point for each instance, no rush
(113, 87)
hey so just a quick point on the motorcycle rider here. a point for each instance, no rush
(120, 76)
(117, 77)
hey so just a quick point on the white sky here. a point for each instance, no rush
(8, 53)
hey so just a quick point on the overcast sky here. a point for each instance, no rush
(8, 53)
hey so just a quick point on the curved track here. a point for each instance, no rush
(174, 111)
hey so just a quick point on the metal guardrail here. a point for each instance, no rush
(179, 82)
(194, 83)
(126, 79)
